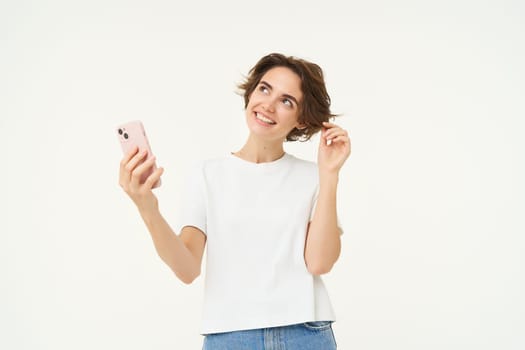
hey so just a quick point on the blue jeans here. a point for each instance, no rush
(302, 336)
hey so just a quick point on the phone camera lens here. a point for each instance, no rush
(120, 131)
(126, 136)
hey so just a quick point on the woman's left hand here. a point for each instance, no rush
(330, 158)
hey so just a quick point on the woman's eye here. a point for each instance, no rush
(263, 88)
(287, 102)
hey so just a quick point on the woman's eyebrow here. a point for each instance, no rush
(266, 84)
(285, 95)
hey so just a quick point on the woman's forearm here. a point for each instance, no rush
(171, 248)
(323, 243)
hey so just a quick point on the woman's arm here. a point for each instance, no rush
(323, 242)
(183, 254)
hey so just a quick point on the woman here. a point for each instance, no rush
(269, 219)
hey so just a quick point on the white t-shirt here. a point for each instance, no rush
(255, 217)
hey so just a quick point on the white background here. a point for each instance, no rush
(432, 198)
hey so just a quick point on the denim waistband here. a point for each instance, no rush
(302, 336)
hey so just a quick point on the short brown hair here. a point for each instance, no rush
(314, 109)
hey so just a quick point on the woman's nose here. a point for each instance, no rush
(269, 105)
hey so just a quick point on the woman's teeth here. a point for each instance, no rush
(263, 118)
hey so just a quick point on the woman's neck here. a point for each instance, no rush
(260, 152)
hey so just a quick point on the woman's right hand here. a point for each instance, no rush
(132, 166)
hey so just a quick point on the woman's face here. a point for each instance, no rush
(273, 107)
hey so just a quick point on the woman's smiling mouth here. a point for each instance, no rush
(261, 118)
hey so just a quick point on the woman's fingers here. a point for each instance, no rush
(334, 132)
(137, 173)
(154, 177)
(342, 138)
(124, 173)
(130, 165)
(128, 156)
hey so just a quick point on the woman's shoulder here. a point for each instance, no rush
(211, 164)
(303, 164)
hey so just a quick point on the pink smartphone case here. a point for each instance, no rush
(133, 134)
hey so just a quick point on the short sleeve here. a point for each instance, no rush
(314, 205)
(193, 204)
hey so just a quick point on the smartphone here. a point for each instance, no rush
(132, 134)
